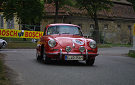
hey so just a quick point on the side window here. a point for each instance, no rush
(91, 26)
(118, 26)
(105, 26)
(129, 27)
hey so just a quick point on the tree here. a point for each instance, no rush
(93, 7)
(58, 4)
(133, 3)
(27, 11)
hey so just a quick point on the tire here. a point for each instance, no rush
(90, 62)
(45, 59)
(38, 57)
(4, 44)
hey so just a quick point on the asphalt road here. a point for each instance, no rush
(112, 67)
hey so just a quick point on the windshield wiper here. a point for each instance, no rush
(64, 33)
(77, 34)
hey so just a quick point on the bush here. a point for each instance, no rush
(131, 53)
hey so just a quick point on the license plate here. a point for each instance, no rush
(72, 57)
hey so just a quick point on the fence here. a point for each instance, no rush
(21, 26)
(105, 36)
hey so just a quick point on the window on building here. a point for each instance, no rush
(91, 26)
(118, 26)
(106, 26)
(10, 24)
(129, 27)
(1, 21)
(80, 25)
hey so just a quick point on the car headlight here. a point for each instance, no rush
(92, 44)
(68, 49)
(52, 43)
(82, 49)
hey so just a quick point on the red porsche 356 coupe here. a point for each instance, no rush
(66, 42)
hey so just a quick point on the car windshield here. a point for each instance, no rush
(64, 30)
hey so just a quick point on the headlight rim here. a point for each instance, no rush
(54, 42)
(81, 48)
(68, 47)
(91, 43)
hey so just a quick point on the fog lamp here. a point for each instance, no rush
(68, 49)
(82, 49)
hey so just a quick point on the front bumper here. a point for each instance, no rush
(61, 55)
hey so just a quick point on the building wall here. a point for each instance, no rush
(15, 24)
(45, 22)
(111, 31)
(117, 31)
(116, 34)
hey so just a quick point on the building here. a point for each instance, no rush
(8, 24)
(14, 23)
(115, 25)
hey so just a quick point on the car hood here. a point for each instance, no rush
(74, 41)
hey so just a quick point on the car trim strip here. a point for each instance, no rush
(86, 54)
(70, 54)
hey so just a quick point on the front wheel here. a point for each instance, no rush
(45, 58)
(4, 44)
(38, 57)
(90, 62)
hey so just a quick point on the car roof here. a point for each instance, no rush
(62, 24)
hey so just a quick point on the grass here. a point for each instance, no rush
(21, 45)
(113, 45)
(3, 74)
(131, 53)
(104, 45)
(16, 39)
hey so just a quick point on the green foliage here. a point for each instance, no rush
(59, 4)
(109, 45)
(93, 6)
(131, 55)
(133, 3)
(21, 45)
(27, 11)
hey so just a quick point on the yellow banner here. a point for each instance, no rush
(20, 33)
